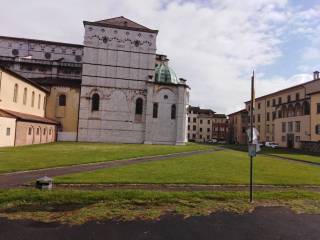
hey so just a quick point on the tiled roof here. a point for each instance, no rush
(27, 80)
(121, 22)
(26, 117)
(51, 81)
(199, 110)
(41, 41)
(241, 111)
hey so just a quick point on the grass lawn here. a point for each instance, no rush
(294, 154)
(76, 207)
(62, 154)
(221, 167)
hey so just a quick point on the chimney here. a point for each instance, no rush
(316, 75)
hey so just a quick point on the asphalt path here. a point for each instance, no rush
(15, 179)
(262, 224)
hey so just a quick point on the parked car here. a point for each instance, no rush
(222, 142)
(272, 144)
(212, 141)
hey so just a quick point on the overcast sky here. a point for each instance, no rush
(214, 44)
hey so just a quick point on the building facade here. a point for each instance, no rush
(54, 65)
(289, 116)
(238, 124)
(115, 68)
(123, 97)
(22, 111)
(205, 124)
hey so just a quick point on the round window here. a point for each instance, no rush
(15, 52)
(47, 55)
(137, 43)
(165, 96)
(105, 39)
(78, 58)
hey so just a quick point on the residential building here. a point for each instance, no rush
(289, 116)
(205, 124)
(238, 124)
(22, 111)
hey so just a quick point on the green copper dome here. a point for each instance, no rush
(165, 74)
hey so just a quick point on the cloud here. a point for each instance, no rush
(214, 44)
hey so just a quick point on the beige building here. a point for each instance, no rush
(238, 124)
(22, 111)
(205, 124)
(288, 117)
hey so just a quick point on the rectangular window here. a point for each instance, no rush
(29, 131)
(208, 121)
(318, 108)
(193, 136)
(274, 115)
(298, 126)
(8, 132)
(200, 129)
(188, 119)
(268, 116)
(208, 129)
(273, 102)
(268, 103)
(289, 98)
(279, 114)
(259, 118)
(200, 121)
(188, 127)
(272, 130)
(194, 128)
(155, 110)
(297, 96)
(297, 138)
(279, 100)
(290, 126)
(268, 128)
(200, 136)
(194, 120)
(283, 127)
(38, 131)
(208, 137)
(259, 105)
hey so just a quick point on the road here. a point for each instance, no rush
(262, 224)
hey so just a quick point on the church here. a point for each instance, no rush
(114, 88)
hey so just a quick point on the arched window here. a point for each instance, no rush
(32, 99)
(155, 110)
(25, 96)
(62, 100)
(290, 110)
(95, 102)
(15, 93)
(139, 106)
(297, 109)
(44, 102)
(39, 101)
(306, 108)
(173, 111)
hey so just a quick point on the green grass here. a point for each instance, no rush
(221, 167)
(77, 207)
(294, 154)
(63, 154)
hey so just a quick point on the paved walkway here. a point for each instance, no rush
(16, 179)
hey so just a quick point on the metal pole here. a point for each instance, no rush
(251, 135)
